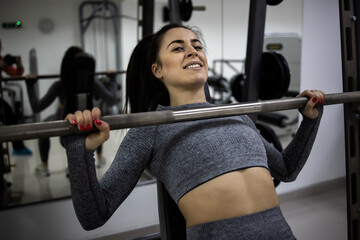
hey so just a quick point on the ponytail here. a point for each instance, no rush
(143, 90)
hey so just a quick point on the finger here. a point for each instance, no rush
(80, 120)
(96, 139)
(314, 96)
(71, 118)
(320, 95)
(87, 120)
(323, 96)
(96, 114)
(309, 109)
(306, 93)
(101, 125)
(104, 130)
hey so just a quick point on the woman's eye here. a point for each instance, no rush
(198, 48)
(177, 49)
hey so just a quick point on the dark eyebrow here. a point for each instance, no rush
(181, 41)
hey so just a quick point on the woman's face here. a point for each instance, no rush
(183, 63)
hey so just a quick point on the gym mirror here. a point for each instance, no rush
(49, 28)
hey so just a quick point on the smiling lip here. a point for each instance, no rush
(194, 64)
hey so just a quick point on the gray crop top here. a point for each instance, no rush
(182, 156)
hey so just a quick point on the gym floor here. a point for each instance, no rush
(318, 212)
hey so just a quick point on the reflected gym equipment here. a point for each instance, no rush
(50, 76)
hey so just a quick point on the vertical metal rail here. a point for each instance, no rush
(255, 42)
(174, 12)
(146, 23)
(254, 50)
(350, 61)
(4, 156)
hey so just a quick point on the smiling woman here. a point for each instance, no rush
(218, 171)
(165, 54)
(182, 66)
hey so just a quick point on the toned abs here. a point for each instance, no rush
(230, 195)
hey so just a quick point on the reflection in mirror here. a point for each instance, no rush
(43, 53)
(223, 24)
(27, 187)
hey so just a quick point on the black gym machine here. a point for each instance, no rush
(349, 12)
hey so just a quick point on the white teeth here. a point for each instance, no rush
(193, 66)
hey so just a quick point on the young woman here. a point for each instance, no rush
(218, 171)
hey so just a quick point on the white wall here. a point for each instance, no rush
(321, 68)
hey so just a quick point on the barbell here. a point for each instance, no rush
(49, 76)
(122, 121)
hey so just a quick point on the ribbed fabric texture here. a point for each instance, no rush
(265, 225)
(182, 156)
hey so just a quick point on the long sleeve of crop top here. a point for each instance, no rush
(37, 105)
(95, 201)
(286, 165)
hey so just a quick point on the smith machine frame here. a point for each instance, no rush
(350, 36)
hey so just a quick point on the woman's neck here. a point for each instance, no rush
(179, 98)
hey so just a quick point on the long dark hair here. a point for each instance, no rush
(143, 90)
(66, 62)
(74, 79)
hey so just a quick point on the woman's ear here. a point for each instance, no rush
(156, 71)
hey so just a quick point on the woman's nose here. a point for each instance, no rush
(192, 52)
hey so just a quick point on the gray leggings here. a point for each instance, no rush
(269, 224)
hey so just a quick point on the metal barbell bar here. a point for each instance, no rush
(49, 76)
(122, 121)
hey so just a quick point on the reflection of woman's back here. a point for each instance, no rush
(75, 90)
(77, 79)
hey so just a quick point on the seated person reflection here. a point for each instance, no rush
(218, 171)
(58, 90)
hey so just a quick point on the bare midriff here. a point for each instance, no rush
(230, 195)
